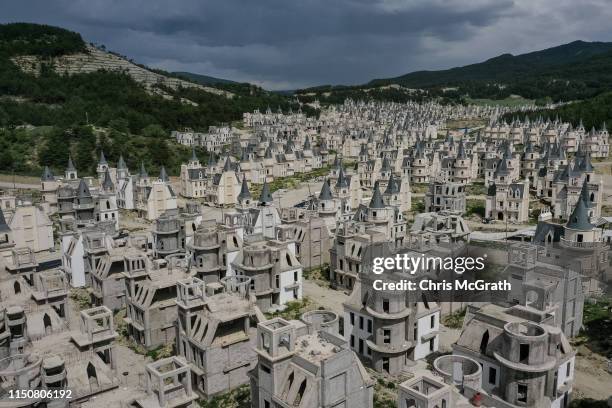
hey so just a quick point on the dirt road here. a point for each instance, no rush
(328, 298)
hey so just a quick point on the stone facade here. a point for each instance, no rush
(305, 363)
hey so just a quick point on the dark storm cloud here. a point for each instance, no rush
(295, 43)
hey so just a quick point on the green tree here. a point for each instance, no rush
(120, 125)
(4, 118)
(85, 149)
(153, 130)
(6, 157)
(159, 151)
(55, 151)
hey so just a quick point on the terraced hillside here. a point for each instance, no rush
(95, 59)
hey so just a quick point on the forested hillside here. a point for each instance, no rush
(592, 112)
(109, 100)
(507, 68)
(580, 72)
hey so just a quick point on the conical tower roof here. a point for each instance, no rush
(419, 153)
(228, 164)
(392, 186)
(83, 190)
(326, 193)
(266, 196)
(386, 166)
(121, 163)
(212, 161)
(377, 200)
(461, 151)
(586, 164)
(47, 175)
(245, 194)
(268, 153)
(584, 194)
(194, 157)
(342, 180)
(502, 167)
(580, 217)
(163, 176)
(70, 166)
(107, 183)
(102, 158)
(143, 171)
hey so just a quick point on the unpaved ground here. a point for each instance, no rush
(328, 298)
(592, 379)
(130, 365)
(129, 221)
(604, 171)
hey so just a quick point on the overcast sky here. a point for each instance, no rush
(287, 44)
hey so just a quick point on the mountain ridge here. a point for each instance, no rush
(491, 70)
(203, 79)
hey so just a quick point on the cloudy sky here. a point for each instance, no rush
(287, 44)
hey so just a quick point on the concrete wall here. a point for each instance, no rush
(421, 350)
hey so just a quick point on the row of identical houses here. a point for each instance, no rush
(209, 287)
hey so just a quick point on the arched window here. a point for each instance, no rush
(47, 322)
(484, 342)
(16, 287)
(300, 393)
(92, 375)
(291, 376)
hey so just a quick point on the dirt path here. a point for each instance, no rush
(328, 298)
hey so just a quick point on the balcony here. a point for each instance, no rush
(387, 348)
(581, 245)
(83, 206)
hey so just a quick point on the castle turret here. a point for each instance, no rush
(122, 169)
(579, 232)
(163, 176)
(49, 189)
(245, 198)
(71, 171)
(266, 197)
(102, 167)
(326, 204)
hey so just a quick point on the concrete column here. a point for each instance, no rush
(187, 382)
(147, 326)
(112, 353)
(162, 394)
